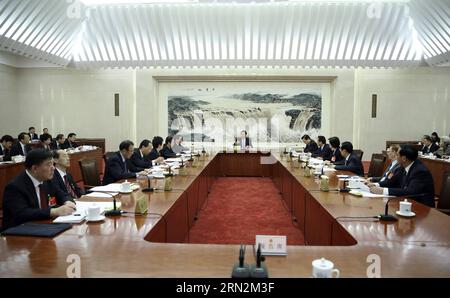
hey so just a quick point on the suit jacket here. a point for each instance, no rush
(54, 145)
(154, 154)
(116, 169)
(167, 152)
(42, 146)
(34, 136)
(324, 152)
(16, 149)
(68, 144)
(311, 147)
(433, 147)
(139, 161)
(336, 157)
(418, 182)
(353, 164)
(6, 154)
(20, 202)
(392, 177)
(58, 183)
(248, 142)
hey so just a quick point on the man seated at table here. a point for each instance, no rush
(32, 133)
(244, 141)
(167, 151)
(393, 175)
(154, 155)
(70, 141)
(45, 139)
(23, 146)
(428, 145)
(5, 147)
(324, 151)
(58, 142)
(352, 162)
(119, 167)
(311, 146)
(418, 182)
(63, 180)
(30, 196)
(138, 158)
(336, 156)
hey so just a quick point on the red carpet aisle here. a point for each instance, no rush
(239, 208)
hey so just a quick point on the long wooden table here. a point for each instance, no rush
(416, 247)
(10, 170)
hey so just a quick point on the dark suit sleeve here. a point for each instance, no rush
(353, 165)
(395, 180)
(116, 172)
(132, 167)
(140, 163)
(416, 185)
(17, 207)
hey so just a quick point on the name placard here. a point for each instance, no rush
(272, 245)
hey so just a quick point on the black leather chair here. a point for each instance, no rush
(358, 153)
(89, 172)
(377, 165)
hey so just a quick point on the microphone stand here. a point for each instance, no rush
(115, 211)
(386, 216)
(148, 188)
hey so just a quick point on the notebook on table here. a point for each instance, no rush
(37, 230)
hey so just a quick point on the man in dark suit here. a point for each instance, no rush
(138, 158)
(70, 141)
(352, 162)
(167, 151)
(118, 167)
(5, 147)
(32, 133)
(336, 156)
(393, 176)
(58, 142)
(244, 141)
(311, 146)
(428, 145)
(324, 151)
(46, 140)
(22, 147)
(154, 155)
(417, 182)
(30, 196)
(63, 180)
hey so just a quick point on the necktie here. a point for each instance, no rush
(43, 197)
(25, 150)
(125, 166)
(69, 188)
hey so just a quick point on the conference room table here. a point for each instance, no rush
(157, 244)
(10, 170)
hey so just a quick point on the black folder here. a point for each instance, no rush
(37, 230)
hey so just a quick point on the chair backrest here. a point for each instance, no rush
(358, 153)
(89, 171)
(377, 163)
(444, 198)
(107, 155)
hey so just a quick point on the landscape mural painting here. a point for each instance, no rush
(269, 116)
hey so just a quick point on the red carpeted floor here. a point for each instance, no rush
(239, 208)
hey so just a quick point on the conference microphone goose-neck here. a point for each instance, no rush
(386, 216)
(115, 211)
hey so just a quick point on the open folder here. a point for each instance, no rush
(37, 230)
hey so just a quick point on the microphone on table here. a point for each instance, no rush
(259, 270)
(241, 270)
(148, 188)
(115, 211)
(386, 216)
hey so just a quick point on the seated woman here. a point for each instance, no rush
(167, 151)
(243, 141)
(177, 146)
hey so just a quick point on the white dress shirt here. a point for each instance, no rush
(36, 184)
(24, 150)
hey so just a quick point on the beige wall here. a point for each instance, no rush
(410, 101)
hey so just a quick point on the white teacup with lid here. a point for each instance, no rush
(323, 268)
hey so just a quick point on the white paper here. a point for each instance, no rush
(73, 218)
(102, 194)
(367, 194)
(83, 206)
(113, 187)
